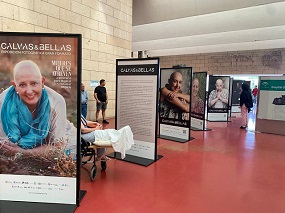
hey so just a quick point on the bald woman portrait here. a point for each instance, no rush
(174, 103)
(32, 114)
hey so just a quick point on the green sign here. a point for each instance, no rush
(272, 85)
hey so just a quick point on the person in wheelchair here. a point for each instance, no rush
(120, 140)
(87, 134)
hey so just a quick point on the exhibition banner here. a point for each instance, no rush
(271, 104)
(230, 98)
(136, 104)
(218, 99)
(175, 103)
(198, 100)
(40, 79)
(236, 91)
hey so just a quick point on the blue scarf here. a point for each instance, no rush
(18, 123)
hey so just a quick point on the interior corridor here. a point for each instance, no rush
(226, 170)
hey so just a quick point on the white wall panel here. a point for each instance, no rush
(238, 29)
(151, 11)
(270, 44)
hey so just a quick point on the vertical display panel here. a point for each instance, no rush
(198, 100)
(218, 99)
(236, 91)
(40, 76)
(271, 105)
(175, 103)
(136, 104)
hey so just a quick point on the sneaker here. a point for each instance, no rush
(97, 121)
(105, 122)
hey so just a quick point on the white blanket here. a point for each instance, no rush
(121, 140)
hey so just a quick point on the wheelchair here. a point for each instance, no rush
(88, 152)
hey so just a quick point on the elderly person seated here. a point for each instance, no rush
(120, 140)
(87, 133)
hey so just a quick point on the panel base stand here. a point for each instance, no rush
(219, 121)
(179, 140)
(205, 129)
(29, 207)
(134, 159)
(82, 193)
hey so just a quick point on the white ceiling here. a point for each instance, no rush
(177, 27)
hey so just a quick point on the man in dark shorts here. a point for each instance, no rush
(101, 96)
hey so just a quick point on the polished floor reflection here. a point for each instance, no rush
(226, 170)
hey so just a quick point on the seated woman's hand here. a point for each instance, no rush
(99, 127)
(12, 148)
(93, 125)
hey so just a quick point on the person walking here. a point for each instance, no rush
(84, 101)
(101, 96)
(245, 104)
(254, 93)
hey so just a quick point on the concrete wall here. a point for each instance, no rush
(105, 25)
(241, 62)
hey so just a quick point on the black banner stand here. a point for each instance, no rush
(82, 193)
(174, 139)
(134, 159)
(9, 206)
(200, 76)
(131, 71)
(167, 137)
(205, 129)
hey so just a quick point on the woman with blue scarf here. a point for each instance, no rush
(32, 115)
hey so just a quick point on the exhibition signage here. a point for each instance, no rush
(175, 104)
(136, 106)
(218, 98)
(236, 91)
(230, 98)
(39, 126)
(198, 100)
(271, 98)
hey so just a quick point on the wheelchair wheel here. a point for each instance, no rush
(93, 172)
(103, 165)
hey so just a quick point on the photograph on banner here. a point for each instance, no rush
(38, 116)
(218, 99)
(198, 99)
(236, 91)
(175, 96)
(271, 103)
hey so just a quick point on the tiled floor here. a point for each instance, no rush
(226, 170)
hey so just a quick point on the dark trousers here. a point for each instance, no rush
(84, 110)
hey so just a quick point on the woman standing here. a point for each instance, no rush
(245, 104)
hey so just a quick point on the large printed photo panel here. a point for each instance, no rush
(198, 100)
(218, 98)
(175, 103)
(236, 91)
(38, 118)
